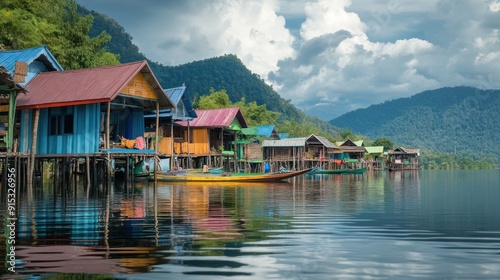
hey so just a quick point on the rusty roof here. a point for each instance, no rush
(216, 118)
(87, 86)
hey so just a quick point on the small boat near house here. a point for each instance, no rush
(326, 171)
(229, 177)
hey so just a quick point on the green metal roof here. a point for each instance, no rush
(375, 149)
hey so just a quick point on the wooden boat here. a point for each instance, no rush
(356, 171)
(324, 171)
(231, 177)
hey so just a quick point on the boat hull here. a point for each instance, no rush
(334, 171)
(356, 171)
(236, 177)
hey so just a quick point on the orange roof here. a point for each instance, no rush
(87, 86)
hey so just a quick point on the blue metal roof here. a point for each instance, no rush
(181, 101)
(8, 58)
(261, 130)
(265, 130)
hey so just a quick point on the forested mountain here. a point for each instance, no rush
(220, 73)
(462, 120)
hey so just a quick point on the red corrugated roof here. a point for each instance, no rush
(86, 86)
(216, 118)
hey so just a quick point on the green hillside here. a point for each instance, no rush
(459, 120)
(225, 72)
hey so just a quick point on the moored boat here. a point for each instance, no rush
(355, 171)
(324, 171)
(230, 177)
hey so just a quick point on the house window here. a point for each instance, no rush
(61, 124)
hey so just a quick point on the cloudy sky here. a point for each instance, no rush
(328, 56)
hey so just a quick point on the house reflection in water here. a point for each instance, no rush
(129, 230)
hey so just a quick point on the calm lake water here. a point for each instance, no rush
(425, 224)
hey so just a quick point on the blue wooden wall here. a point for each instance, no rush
(83, 140)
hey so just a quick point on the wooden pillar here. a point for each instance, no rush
(171, 144)
(157, 131)
(87, 171)
(108, 118)
(189, 151)
(235, 151)
(11, 124)
(157, 126)
(33, 148)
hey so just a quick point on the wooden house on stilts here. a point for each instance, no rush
(213, 135)
(403, 159)
(300, 153)
(9, 90)
(85, 112)
(22, 66)
(174, 140)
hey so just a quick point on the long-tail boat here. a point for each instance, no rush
(229, 177)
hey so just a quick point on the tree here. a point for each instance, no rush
(23, 23)
(216, 100)
(58, 25)
(386, 142)
(255, 114)
(346, 134)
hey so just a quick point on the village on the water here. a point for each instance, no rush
(118, 120)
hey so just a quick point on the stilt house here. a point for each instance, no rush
(300, 153)
(22, 66)
(172, 136)
(214, 134)
(403, 159)
(88, 110)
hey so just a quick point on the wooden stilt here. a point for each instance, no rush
(172, 145)
(87, 170)
(33, 148)
(156, 163)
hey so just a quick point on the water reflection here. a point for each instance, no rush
(377, 224)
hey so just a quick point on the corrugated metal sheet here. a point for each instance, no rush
(8, 58)
(261, 130)
(349, 142)
(250, 131)
(86, 86)
(321, 140)
(265, 130)
(375, 149)
(290, 142)
(217, 118)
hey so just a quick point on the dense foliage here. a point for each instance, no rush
(386, 142)
(58, 25)
(459, 122)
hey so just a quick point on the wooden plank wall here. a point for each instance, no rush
(199, 145)
(139, 87)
